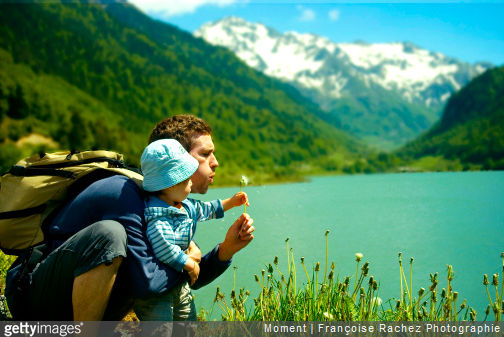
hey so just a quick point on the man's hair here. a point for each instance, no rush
(183, 128)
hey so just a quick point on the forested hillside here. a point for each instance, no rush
(92, 75)
(471, 129)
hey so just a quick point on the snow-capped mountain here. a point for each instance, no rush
(314, 62)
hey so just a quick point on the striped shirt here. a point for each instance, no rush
(170, 230)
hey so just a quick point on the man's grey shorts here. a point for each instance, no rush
(49, 296)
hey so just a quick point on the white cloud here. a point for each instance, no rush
(168, 8)
(334, 14)
(306, 13)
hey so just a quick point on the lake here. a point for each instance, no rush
(454, 218)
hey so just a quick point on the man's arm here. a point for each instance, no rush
(214, 263)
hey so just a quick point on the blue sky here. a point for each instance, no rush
(471, 31)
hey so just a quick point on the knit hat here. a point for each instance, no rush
(166, 163)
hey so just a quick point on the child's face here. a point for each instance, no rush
(180, 191)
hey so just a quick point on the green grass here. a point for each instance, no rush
(5, 263)
(324, 297)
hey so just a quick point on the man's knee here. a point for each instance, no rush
(109, 234)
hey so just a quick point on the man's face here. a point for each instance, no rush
(203, 150)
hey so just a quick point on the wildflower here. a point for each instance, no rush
(495, 281)
(371, 281)
(450, 272)
(398, 304)
(244, 182)
(463, 305)
(333, 266)
(331, 275)
(327, 233)
(421, 292)
(485, 279)
(276, 260)
(365, 269)
(328, 316)
(455, 295)
(287, 240)
(487, 311)
(358, 256)
(434, 296)
(270, 269)
(233, 294)
(263, 272)
(317, 267)
(376, 301)
(375, 285)
(424, 311)
(256, 278)
(302, 259)
(443, 293)
(247, 293)
(411, 261)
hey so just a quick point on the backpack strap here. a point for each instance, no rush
(33, 257)
(22, 171)
(23, 212)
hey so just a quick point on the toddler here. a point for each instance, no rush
(171, 217)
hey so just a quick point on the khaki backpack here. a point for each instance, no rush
(38, 185)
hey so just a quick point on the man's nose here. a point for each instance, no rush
(213, 161)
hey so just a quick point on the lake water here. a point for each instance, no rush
(437, 218)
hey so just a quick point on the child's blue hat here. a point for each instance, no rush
(166, 163)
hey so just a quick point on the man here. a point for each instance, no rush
(107, 264)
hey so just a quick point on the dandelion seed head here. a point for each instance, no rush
(376, 301)
(358, 256)
(243, 181)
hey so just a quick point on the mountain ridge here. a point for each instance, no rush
(417, 82)
(471, 129)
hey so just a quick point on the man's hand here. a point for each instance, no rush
(194, 253)
(238, 237)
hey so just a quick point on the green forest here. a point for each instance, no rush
(471, 130)
(100, 76)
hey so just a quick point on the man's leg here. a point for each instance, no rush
(92, 254)
(91, 291)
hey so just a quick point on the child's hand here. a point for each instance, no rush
(239, 199)
(193, 270)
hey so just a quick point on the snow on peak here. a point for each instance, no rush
(316, 62)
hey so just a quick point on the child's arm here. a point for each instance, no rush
(238, 199)
(193, 270)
